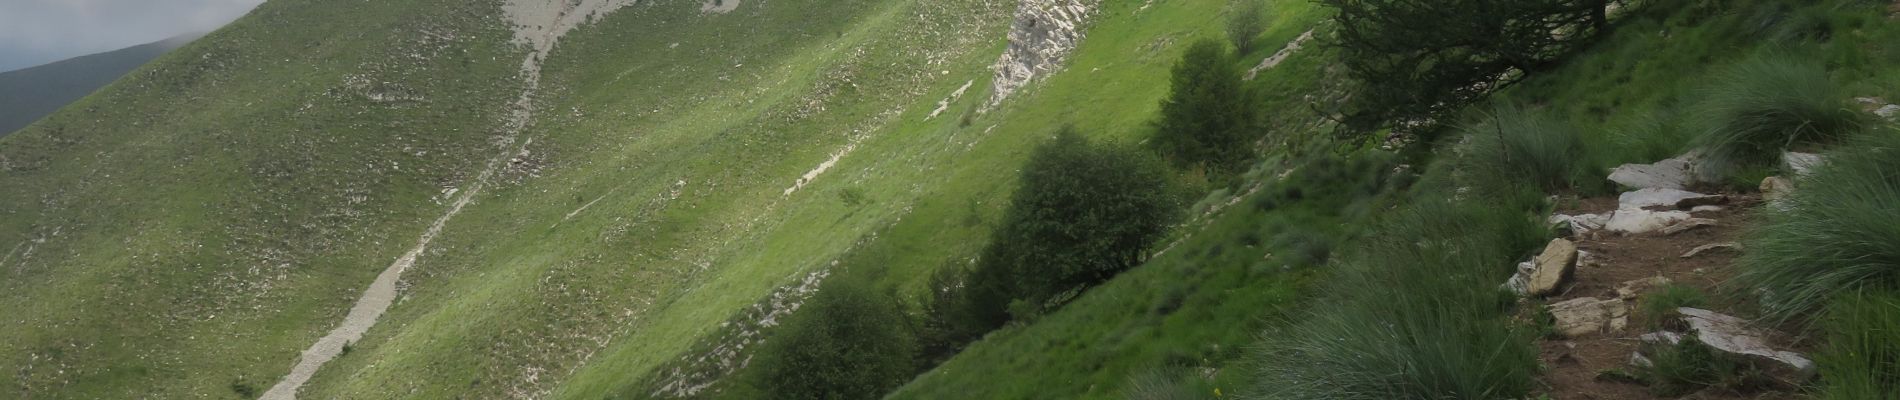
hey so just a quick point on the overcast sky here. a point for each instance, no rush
(34, 32)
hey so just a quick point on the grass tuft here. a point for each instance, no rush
(1769, 103)
(1833, 235)
(1659, 304)
(1525, 146)
(1862, 357)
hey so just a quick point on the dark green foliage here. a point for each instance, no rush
(1081, 214)
(1421, 60)
(1248, 20)
(1527, 147)
(1208, 118)
(1434, 328)
(1769, 103)
(1861, 359)
(1834, 235)
(1661, 303)
(847, 342)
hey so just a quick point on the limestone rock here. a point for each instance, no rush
(1703, 209)
(1675, 173)
(1655, 197)
(1774, 188)
(1581, 224)
(1520, 282)
(1688, 225)
(1732, 336)
(1588, 315)
(1552, 267)
(1731, 246)
(1638, 221)
(1889, 111)
(1801, 163)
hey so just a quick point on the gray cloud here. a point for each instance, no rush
(34, 32)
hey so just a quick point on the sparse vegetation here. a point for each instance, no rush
(1661, 303)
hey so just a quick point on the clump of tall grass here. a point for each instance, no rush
(1861, 359)
(1413, 315)
(1835, 234)
(1524, 146)
(1767, 104)
(1660, 304)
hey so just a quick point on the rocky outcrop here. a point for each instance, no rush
(1675, 173)
(1044, 34)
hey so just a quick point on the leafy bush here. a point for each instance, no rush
(1834, 235)
(1661, 303)
(1208, 117)
(1769, 103)
(1861, 359)
(1434, 329)
(1529, 147)
(1081, 214)
(847, 342)
(1248, 20)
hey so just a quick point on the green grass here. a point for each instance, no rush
(1531, 147)
(1861, 359)
(1661, 303)
(1435, 328)
(1769, 104)
(1833, 235)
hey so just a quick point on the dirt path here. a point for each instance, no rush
(538, 24)
(1281, 56)
(1575, 364)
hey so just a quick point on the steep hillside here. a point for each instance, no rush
(639, 199)
(28, 94)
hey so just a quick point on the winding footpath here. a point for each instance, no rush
(538, 24)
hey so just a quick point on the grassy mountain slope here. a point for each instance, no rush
(190, 229)
(28, 94)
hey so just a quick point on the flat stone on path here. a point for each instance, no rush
(1588, 315)
(1552, 267)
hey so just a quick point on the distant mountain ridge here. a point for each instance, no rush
(28, 94)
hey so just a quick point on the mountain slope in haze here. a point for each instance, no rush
(28, 94)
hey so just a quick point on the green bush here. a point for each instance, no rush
(1834, 235)
(1208, 117)
(1766, 105)
(1861, 359)
(847, 342)
(1529, 147)
(1248, 20)
(1081, 214)
(1434, 328)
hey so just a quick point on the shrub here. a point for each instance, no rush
(1834, 235)
(1249, 19)
(1527, 147)
(847, 342)
(1081, 214)
(1661, 303)
(1208, 117)
(1767, 104)
(1861, 359)
(1434, 327)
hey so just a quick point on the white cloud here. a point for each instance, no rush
(38, 31)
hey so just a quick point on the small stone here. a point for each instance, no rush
(1732, 246)
(1588, 315)
(1705, 209)
(1774, 188)
(1638, 360)
(1889, 111)
(1688, 225)
(1632, 289)
(1552, 267)
(1581, 224)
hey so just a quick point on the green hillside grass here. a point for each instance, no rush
(192, 227)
